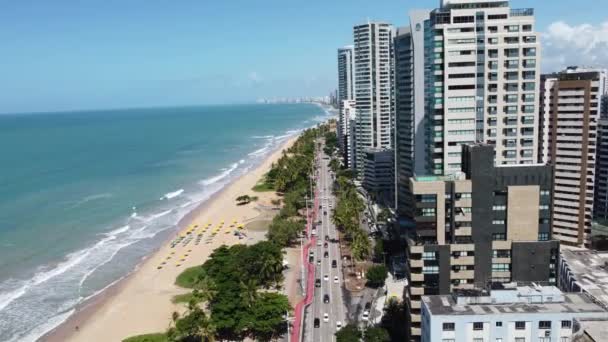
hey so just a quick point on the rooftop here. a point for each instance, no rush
(526, 299)
(590, 270)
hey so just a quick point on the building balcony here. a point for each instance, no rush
(417, 291)
(416, 277)
(462, 274)
(416, 262)
(468, 260)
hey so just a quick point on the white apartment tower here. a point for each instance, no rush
(373, 88)
(482, 81)
(346, 91)
(347, 119)
(572, 104)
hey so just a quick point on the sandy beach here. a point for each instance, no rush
(141, 303)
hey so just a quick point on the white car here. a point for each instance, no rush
(326, 277)
(338, 325)
(336, 280)
(325, 317)
(319, 243)
(365, 316)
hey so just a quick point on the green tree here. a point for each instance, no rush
(376, 334)
(360, 246)
(392, 320)
(267, 317)
(349, 333)
(376, 276)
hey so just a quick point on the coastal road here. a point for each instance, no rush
(335, 309)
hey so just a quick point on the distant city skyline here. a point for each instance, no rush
(63, 55)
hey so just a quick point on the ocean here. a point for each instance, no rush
(84, 196)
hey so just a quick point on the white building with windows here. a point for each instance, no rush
(346, 91)
(482, 81)
(510, 314)
(374, 78)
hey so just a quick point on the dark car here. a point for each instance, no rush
(326, 254)
(326, 237)
(368, 305)
(334, 264)
(311, 259)
(318, 283)
(326, 299)
(325, 213)
(325, 245)
(317, 322)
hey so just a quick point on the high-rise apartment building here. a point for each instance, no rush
(482, 81)
(346, 91)
(374, 74)
(410, 136)
(572, 103)
(487, 224)
(347, 119)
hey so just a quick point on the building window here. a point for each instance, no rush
(429, 256)
(544, 339)
(478, 326)
(478, 340)
(428, 211)
(430, 270)
(499, 237)
(448, 340)
(543, 236)
(544, 325)
(520, 325)
(566, 324)
(499, 207)
(448, 326)
(520, 339)
(545, 192)
(501, 268)
(498, 340)
(499, 324)
(499, 222)
(543, 207)
(564, 339)
(501, 253)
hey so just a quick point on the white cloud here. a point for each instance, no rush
(581, 45)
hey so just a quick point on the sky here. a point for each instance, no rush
(69, 55)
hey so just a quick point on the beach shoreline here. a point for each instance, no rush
(140, 302)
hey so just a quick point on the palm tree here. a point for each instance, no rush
(249, 292)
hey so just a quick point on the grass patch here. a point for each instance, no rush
(263, 185)
(182, 298)
(158, 337)
(188, 277)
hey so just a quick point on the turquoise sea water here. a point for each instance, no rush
(85, 195)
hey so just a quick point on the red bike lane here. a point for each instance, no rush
(310, 280)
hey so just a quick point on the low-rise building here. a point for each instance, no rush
(509, 313)
(584, 270)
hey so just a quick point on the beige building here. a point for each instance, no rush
(571, 104)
